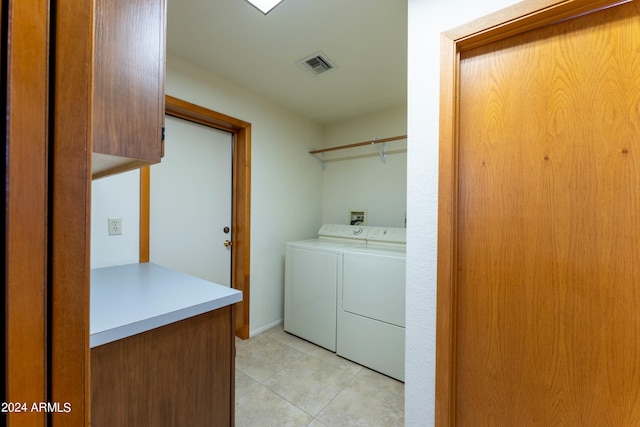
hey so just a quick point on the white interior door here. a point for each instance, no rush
(190, 202)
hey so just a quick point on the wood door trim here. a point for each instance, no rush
(520, 18)
(241, 215)
(145, 203)
(25, 217)
(70, 235)
(517, 19)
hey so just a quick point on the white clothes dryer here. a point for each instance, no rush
(311, 282)
(371, 302)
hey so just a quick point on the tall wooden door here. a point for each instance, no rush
(191, 196)
(546, 300)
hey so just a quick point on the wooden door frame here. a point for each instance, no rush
(25, 216)
(241, 198)
(48, 68)
(517, 19)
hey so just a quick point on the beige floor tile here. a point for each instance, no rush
(369, 400)
(309, 383)
(240, 342)
(244, 383)
(381, 382)
(299, 344)
(282, 380)
(262, 357)
(261, 407)
(335, 360)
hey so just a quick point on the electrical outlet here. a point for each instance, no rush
(115, 226)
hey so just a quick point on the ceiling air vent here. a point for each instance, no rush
(316, 64)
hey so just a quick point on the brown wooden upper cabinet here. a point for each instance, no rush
(128, 110)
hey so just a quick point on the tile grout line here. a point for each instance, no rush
(285, 366)
(302, 348)
(308, 353)
(334, 397)
(321, 360)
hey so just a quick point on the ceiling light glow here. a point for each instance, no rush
(264, 6)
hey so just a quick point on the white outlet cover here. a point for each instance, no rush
(115, 226)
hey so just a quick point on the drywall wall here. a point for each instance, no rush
(357, 178)
(427, 19)
(116, 196)
(286, 186)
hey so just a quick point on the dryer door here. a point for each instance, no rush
(374, 285)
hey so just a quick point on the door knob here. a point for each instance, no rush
(228, 243)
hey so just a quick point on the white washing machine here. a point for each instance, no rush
(311, 282)
(371, 302)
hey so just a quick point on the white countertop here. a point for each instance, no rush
(134, 298)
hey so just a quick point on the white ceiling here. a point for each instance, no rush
(365, 39)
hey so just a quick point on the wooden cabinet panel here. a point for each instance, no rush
(128, 84)
(181, 374)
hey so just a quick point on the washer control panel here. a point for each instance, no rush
(343, 231)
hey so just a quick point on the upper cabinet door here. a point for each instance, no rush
(128, 84)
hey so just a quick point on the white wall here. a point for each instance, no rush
(286, 186)
(427, 19)
(115, 196)
(356, 178)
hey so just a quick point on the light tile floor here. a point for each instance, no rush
(282, 380)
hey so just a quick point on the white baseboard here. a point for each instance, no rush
(255, 332)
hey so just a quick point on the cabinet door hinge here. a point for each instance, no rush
(162, 144)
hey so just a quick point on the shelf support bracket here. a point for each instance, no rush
(382, 151)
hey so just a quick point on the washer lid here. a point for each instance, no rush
(395, 251)
(318, 244)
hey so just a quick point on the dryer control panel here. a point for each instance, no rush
(387, 234)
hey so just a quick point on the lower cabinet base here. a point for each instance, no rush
(181, 374)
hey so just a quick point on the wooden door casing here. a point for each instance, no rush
(538, 250)
(70, 198)
(25, 53)
(241, 209)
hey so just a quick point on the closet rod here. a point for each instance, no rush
(358, 144)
